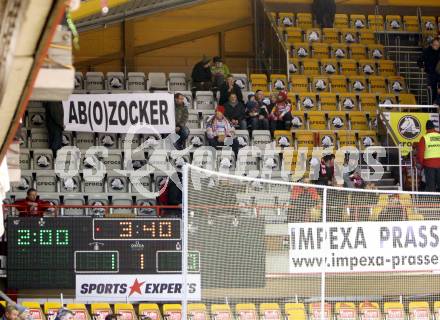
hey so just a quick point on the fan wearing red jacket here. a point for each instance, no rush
(32, 206)
(280, 118)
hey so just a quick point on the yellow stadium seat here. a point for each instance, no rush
(386, 68)
(320, 84)
(375, 22)
(149, 310)
(221, 312)
(299, 83)
(368, 102)
(259, 82)
(100, 310)
(246, 311)
(295, 311)
(411, 23)
(367, 139)
(294, 66)
(338, 84)
(197, 311)
(304, 139)
(376, 51)
(358, 84)
(304, 20)
(348, 67)
(125, 311)
(348, 102)
(345, 311)
(270, 311)
(337, 120)
(358, 121)
(310, 67)
(51, 309)
(328, 101)
(172, 311)
(397, 84)
(298, 121)
(377, 84)
(367, 67)
(307, 101)
(367, 37)
(330, 35)
(387, 99)
(329, 66)
(338, 51)
(34, 309)
(285, 134)
(394, 23)
(370, 310)
(437, 310)
(341, 20)
(293, 35)
(313, 35)
(357, 51)
(285, 19)
(317, 120)
(358, 21)
(394, 310)
(80, 311)
(347, 139)
(407, 98)
(429, 25)
(278, 82)
(419, 310)
(320, 50)
(348, 35)
(301, 50)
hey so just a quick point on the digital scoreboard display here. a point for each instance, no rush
(48, 252)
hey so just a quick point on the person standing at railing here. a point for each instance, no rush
(430, 60)
(428, 156)
(324, 12)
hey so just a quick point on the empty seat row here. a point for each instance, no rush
(425, 24)
(330, 35)
(324, 50)
(242, 311)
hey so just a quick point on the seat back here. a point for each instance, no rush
(51, 309)
(394, 311)
(197, 311)
(39, 138)
(298, 121)
(73, 200)
(149, 310)
(94, 81)
(115, 81)
(270, 311)
(46, 181)
(358, 21)
(246, 311)
(301, 50)
(338, 84)
(100, 310)
(34, 310)
(329, 66)
(300, 83)
(43, 159)
(315, 311)
(204, 100)
(177, 81)
(26, 182)
(320, 84)
(221, 312)
(345, 311)
(317, 120)
(369, 311)
(419, 310)
(157, 81)
(411, 23)
(307, 102)
(172, 311)
(295, 311)
(125, 311)
(394, 23)
(330, 35)
(337, 120)
(136, 81)
(310, 67)
(79, 310)
(348, 102)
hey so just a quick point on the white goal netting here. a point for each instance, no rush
(279, 250)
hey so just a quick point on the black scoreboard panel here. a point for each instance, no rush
(47, 252)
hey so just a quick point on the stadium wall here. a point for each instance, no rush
(172, 41)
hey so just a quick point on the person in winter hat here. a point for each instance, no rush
(220, 132)
(280, 118)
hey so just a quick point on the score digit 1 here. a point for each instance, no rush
(141, 261)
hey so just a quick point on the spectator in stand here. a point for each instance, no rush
(55, 124)
(430, 60)
(32, 206)
(235, 112)
(181, 114)
(202, 76)
(280, 117)
(324, 12)
(323, 171)
(394, 207)
(256, 111)
(227, 88)
(220, 132)
(304, 204)
(428, 156)
(12, 312)
(219, 72)
(64, 314)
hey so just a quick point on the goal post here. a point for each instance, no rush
(255, 248)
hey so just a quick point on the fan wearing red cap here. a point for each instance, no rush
(219, 128)
(280, 117)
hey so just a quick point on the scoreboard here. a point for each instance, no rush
(48, 252)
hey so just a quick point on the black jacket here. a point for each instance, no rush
(54, 115)
(235, 113)
(224, 93)
(200, 73)
(430, 58)
(174, 192)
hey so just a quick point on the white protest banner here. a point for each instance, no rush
(410, 246)
(136, 287)
(116, 113)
